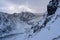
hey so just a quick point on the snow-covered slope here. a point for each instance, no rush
(51, 30)
(22, 31)
(13, 26)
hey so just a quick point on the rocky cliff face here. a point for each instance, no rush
(29, 26)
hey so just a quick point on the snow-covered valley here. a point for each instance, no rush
(30, 26)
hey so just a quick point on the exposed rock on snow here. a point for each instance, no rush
(29, 26)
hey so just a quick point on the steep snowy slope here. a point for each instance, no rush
(23, 31)
(15, 27)
(15, 24)
(51, 30)
(11, 25)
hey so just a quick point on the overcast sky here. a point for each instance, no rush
(11, 6)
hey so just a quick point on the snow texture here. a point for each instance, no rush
(15, 27)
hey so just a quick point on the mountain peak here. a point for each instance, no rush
(23, 8)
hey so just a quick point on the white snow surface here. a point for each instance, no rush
(51, 30)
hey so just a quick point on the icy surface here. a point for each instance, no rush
(13, 28)
(22, 30)
(53, 27)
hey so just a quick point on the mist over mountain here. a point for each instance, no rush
(31, 26)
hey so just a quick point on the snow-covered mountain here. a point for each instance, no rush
(11, 24)
(30, 26)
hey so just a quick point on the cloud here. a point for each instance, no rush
(10, 6)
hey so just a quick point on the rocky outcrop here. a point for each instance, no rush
(52, 7)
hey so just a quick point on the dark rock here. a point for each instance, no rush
(52, 7)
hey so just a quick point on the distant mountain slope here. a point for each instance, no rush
(13, 22)
(30, 26)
